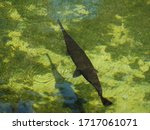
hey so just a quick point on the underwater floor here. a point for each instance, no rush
(115, 36)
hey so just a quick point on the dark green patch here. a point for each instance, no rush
(147, 96)
(119, 76)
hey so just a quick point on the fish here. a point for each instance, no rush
(83, 64)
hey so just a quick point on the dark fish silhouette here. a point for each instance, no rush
(83, 64)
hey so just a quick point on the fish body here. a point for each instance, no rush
(83, 64)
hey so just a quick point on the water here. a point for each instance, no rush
(115, 35)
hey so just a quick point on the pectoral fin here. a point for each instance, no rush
(76, 73)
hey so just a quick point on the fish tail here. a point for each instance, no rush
(106, 102)
(62, 28)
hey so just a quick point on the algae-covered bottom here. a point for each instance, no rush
(114, 34)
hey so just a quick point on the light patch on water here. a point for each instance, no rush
(15, 15)
(41, 11)
(148, 2)
(73, 10)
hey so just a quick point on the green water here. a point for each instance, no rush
(115, 34)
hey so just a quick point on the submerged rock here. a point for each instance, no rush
(25, 107)
(6, 108)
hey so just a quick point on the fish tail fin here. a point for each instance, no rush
(62, 28)
(106, 102)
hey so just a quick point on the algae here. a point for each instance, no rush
(114, 34)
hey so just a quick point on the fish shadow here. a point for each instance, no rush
(69, 98)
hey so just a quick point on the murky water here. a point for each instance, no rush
(115, 35)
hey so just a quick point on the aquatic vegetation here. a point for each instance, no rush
(114, 34)
(75, 10)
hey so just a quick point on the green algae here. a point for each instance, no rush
(115, 40)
